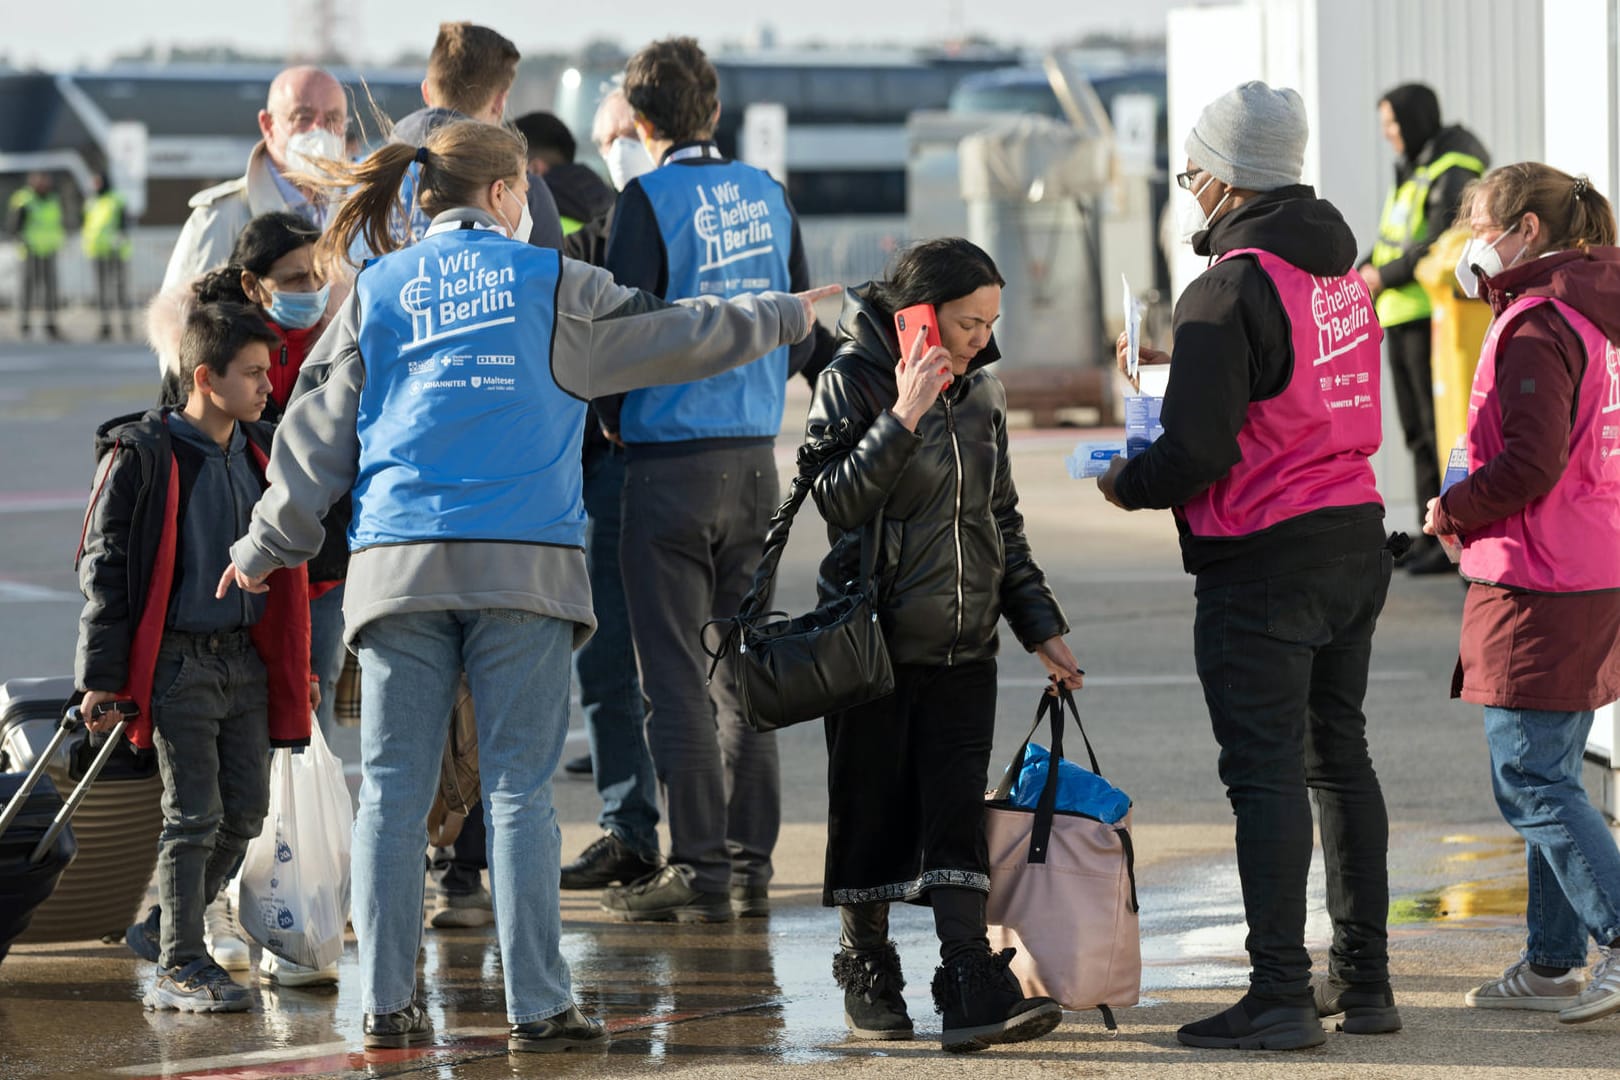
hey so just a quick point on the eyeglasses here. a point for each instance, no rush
(1184, 179)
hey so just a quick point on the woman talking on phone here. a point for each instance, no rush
(926, 447)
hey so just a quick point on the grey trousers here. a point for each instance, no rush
(212, 737)
(694, 527)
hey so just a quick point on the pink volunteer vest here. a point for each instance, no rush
(1568, 540)
(1308, 448)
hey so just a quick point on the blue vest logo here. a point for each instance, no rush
(464, 297)
(733, 227)
(727, 232)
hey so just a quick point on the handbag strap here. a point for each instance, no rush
(1052, 707)
(813, 455)
(838, 438)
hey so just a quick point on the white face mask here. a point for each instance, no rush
(306, 149)
(525, 222)
(1191, 218)
(1477, 253)
(627, 159)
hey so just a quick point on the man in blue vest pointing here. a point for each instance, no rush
(700, 489)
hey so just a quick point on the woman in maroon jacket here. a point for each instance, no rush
(1537, 518)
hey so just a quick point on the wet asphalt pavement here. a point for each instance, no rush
(755, 997)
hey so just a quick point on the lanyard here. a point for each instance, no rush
(685, 153)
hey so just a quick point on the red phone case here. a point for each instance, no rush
(914, 320)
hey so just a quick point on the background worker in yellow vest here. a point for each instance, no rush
(107, 246)
(35, 219)
(1433, 166)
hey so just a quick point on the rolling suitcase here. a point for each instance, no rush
(116, 825)
(36, 841)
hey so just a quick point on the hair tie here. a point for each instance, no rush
(422, 154)
(1582, 186)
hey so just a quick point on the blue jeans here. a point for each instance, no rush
(517, 664)
(326, 651)
(609, 689)
(1573, 865)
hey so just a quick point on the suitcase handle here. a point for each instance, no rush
(69, 724)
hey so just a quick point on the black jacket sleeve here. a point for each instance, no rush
(547, 231)
(1026, 600)
(1439, 209)
(853, 486)
(636, 258)
(1231, 347)
(107, 622)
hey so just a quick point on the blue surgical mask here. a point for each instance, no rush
(298, 310)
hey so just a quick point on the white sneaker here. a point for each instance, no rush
(222, 936)
(1521, 988)
(273, 969)
(1601, 996)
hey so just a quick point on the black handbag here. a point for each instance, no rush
(790, 670)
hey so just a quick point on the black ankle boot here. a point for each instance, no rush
(871, 981)
(983, 1004)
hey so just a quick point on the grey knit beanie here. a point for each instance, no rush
(1252, 137)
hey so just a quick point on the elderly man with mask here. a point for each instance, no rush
(1270, 421)
(302, 122)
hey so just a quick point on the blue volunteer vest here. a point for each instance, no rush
(464, 434)
(727, 231)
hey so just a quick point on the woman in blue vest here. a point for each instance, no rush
(449, 398)
(1538, 518)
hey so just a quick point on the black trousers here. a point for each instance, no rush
(1414, 400)
(1284, 665)
(39, 288)
(905, 787)
(112, 290)
(694, 526)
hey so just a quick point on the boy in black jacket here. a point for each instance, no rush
(217, 681)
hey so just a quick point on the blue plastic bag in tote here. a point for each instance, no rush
(1079, 791)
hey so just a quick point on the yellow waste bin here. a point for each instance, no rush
(1457, 331)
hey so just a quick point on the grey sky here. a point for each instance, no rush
(71, 32)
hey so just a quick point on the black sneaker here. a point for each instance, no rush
(1252, 1024)
(1367, 1008)
(409, 1026)
(983, 1004)
(751, 901)
(608, 861)
(579, 767)
(666, 895)
(145, 937)
(568, 1030)
(874, 1007)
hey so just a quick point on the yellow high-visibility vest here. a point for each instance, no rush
(1404, 223)
(42, 231)
(103, 239)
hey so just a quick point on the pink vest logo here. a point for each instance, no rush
(1343, 318)
(1611, 361)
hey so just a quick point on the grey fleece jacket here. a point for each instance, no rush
(609, 339)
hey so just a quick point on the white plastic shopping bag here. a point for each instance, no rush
(295, 876)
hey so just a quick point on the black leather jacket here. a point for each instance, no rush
(954, 558)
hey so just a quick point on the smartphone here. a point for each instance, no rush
(914, 320)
